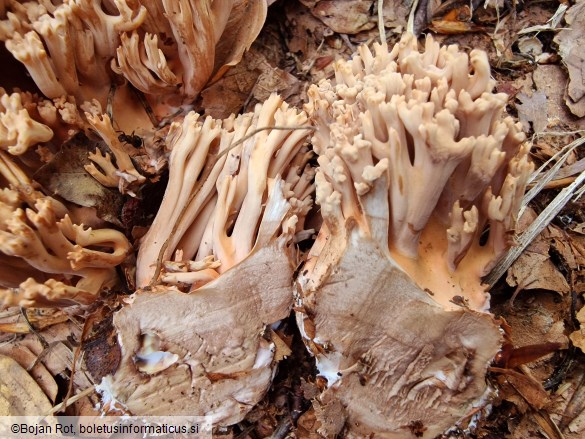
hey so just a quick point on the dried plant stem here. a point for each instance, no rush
(210, 164)
(543, 180)
(71, 400)
(381, 28)
(410, 23)
(544, 177)
(562, 182)
(539, 224)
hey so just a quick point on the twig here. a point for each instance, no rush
(561, 182)
(282, 429)
(43, 354)
(71, 400)
(547, 176)
(539, 224)
(381, 28)
(33, 330)
(410, 23)
(347, 41)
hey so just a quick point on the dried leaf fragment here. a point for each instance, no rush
(20, 395)
(578, 337)
(571, 43)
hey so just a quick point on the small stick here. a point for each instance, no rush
(381, 28)
(71, 400)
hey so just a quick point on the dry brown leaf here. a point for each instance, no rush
(530, 111)
(578, 337)
(345, 16)
(536, 271)
(330, 416)
(571, 41)
(562, 243)
(39, 322)
(66, 177)
(537, 319)
(20, 395)
(533, 269)
(551, 79)
(530, 389)
(39, 372)
(229, 94)
(307, 426)
(282, 349)
(250, 82)
(354, 16)
(275, 80)
(312, 44)
(305, 31)
(244, 24)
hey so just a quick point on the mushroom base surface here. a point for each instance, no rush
(207, 353)
(398, 365)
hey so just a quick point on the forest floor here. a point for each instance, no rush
(537, 53)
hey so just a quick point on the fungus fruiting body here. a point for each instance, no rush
(48, 261)
(420, 176)
(416, 163)
(219, 257)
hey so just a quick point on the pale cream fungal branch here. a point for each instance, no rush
(123, 174)
(185, 43)
(419, 182)
(222, 219)
(64, 264)
(445, 142)
(238, 192)
(66, 47)
(18, 130)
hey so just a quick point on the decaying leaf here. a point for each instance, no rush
(65, 176)
(28, 360)
(578, 336)
(330, 417)
(351, 16)
(571, 43)
(536, 271)
(307, 425)
(551, 80)
(529, 388)
(243, 26)
(229, 94)
(20, 395)
(530, 111)
(249, 82)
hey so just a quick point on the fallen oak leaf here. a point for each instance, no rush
(66, 177)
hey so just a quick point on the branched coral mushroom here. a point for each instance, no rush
(88, 51)
(182, 43)
(67, 47)
(18, 130)
(420, 177)
(47, 260)
(224, 232)
(27, 120)
(166, 49)
(419, 181)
